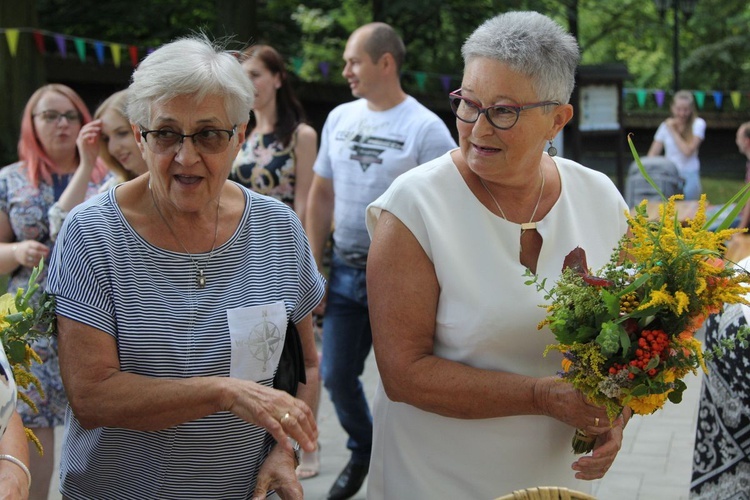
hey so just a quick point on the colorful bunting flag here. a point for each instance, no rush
(325, 67)
(115, 49)
(99, 51)
(61, 48)
(718, 98)
(659, 96)
(420, 77)
(700, 98)
(133, 50)
(640, 95)
(736, 97)
(11, 36)
(39, 41)
(297, 64)
(445, 82)
(80, 45)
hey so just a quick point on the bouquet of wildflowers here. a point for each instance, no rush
(23, 320)
(626, 330)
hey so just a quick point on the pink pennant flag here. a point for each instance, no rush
(60, 41)
(11, 36)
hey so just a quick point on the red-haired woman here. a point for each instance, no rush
(48, 156)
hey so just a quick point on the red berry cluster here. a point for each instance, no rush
(651, 343)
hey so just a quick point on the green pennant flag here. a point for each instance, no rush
(11, 35)
(80, 48)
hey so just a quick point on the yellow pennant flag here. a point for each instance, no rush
(115, 48)
(11, 35)
(735, 96)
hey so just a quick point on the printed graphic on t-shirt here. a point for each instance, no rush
(367, 147)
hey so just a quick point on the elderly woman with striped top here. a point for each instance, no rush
(173, 295)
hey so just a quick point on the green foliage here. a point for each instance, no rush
(25, 318)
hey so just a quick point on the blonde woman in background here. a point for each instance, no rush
(679, 138)
(111, 136)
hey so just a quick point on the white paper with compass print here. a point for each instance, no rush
(257, 335)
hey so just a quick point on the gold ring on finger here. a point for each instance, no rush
(596, 422)
(285, 417)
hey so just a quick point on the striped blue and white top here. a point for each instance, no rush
(105, 275)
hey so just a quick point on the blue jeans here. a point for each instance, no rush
(692, 187)
(347, 340)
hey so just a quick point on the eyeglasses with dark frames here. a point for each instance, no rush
(208, 141)
(52, 116)
(503, 116)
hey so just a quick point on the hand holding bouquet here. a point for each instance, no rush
(23, 320)
(626, 331)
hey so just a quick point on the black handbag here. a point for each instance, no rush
(291, 369)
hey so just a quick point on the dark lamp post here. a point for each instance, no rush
(687, 7)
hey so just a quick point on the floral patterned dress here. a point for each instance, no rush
(26, 207)
(721, 457)
(265, 166)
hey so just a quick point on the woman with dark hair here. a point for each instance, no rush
(277, 158)
(48, 158)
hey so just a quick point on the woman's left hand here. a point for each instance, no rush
(278, 473)
(608, 444)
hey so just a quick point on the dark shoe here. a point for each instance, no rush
(349, 481)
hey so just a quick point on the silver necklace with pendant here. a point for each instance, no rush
(524, 225)
(200, 278)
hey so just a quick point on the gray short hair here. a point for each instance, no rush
(532, 44)
(190, 66)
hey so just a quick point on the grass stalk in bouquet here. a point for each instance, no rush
(626, 331)
(25, 318)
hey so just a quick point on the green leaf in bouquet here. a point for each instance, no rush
(609, 338)
(612, 302)
(639, 390)
(624, 340)
(676, 395)
(652, 363)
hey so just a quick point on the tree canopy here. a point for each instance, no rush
(714, 42)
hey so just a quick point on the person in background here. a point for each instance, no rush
(278, 155)
(721, 462)
(277, 158)
(743, 145)
(679, 138)
(468, 406)
(173, 294)
(15, 477)
(365, 145)
(110, 137)
(48, 159)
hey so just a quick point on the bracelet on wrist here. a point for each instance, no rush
(11, 458)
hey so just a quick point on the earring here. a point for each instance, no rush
(552, 150)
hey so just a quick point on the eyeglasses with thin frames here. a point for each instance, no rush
(52, 116)
(208, 141)
(503, 116)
